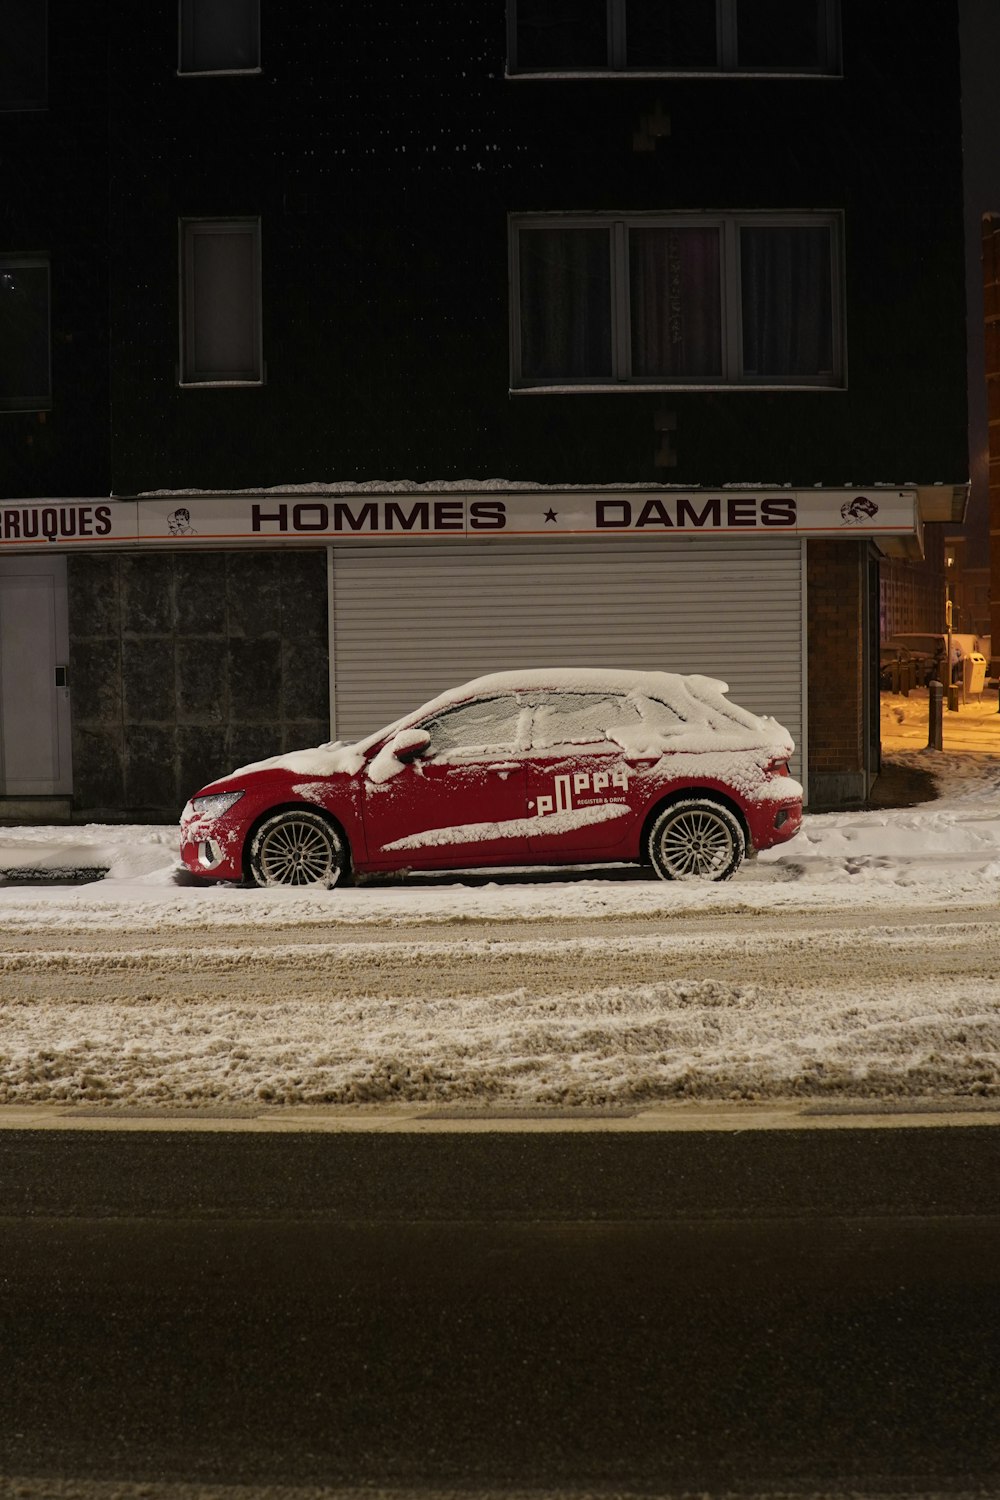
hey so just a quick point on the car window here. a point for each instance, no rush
(485, 726)
(661, 716)
(595, 720)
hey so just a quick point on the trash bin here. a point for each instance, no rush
(974, 674)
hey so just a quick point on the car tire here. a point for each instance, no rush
(696, 839)
(298, 847)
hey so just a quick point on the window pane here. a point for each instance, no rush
(221, 304)
(785, 277)
(24, 335)
(675, 302)
(488, 724)
(219, 34)
(554, 34)
(779, 33)
(565, 303)
(23, 49)
(591, 719)
(671, 34)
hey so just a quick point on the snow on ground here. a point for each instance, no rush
(862, 958)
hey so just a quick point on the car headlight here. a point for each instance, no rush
(214, 804)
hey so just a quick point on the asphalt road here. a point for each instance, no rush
(583, 1312)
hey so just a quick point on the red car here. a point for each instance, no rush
(570, 766)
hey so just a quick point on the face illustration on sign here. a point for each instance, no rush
(859, 510)
(179, 522)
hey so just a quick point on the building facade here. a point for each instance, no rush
(349, 353)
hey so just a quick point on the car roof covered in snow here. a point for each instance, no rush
(701, 718)
(695, 699)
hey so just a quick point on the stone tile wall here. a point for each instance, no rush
(836, 573)
(185, 665)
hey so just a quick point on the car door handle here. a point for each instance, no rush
(504, 767)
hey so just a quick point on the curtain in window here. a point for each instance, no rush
(671, 33)
(23, 47)
(565, 277)
(221, 303)
(24, 335)
(217, 35)
(778, 33)
(676, 302)
(787, 304)
(554, 34)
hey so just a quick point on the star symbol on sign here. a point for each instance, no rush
(550, 515)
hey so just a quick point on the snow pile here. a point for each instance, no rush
(821, 1015)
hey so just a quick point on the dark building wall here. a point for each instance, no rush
(184, 666)
(836, 574)
(54, 200)
(384, 150)
(913, 594)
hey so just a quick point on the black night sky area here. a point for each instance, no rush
(980, 31)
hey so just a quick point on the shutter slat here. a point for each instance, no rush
(412, 619)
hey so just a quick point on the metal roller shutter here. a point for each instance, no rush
(410, 620)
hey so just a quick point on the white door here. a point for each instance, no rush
(34, 688)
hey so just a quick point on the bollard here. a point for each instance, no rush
(935, 704)
(953, 698)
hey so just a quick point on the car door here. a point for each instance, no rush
(581, 779)
(461, 801)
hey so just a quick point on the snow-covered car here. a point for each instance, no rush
(933, 645)
(569, 766)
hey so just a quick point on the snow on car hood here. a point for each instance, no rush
(672, 712)
(336, 758)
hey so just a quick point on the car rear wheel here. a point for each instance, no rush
(298, 847)
(696, 840)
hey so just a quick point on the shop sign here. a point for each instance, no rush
(208, 519)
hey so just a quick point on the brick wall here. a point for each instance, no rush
(185, 666)
(835, 581)
(991, 304)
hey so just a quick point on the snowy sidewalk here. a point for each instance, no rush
(59, 854)
(54, 861)
(935, 834)
(973, 726)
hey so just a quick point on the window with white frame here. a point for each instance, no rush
(23, 54)
(673, 36)
(220, 302)
(219, 36)
(642, 300)
(25, 366)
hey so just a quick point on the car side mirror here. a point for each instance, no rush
(408, 744)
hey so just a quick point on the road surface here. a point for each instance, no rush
(566, 1313)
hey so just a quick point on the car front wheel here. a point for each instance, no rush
(297, 848)
(696, 840)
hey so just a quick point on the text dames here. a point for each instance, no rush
(711, 514)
